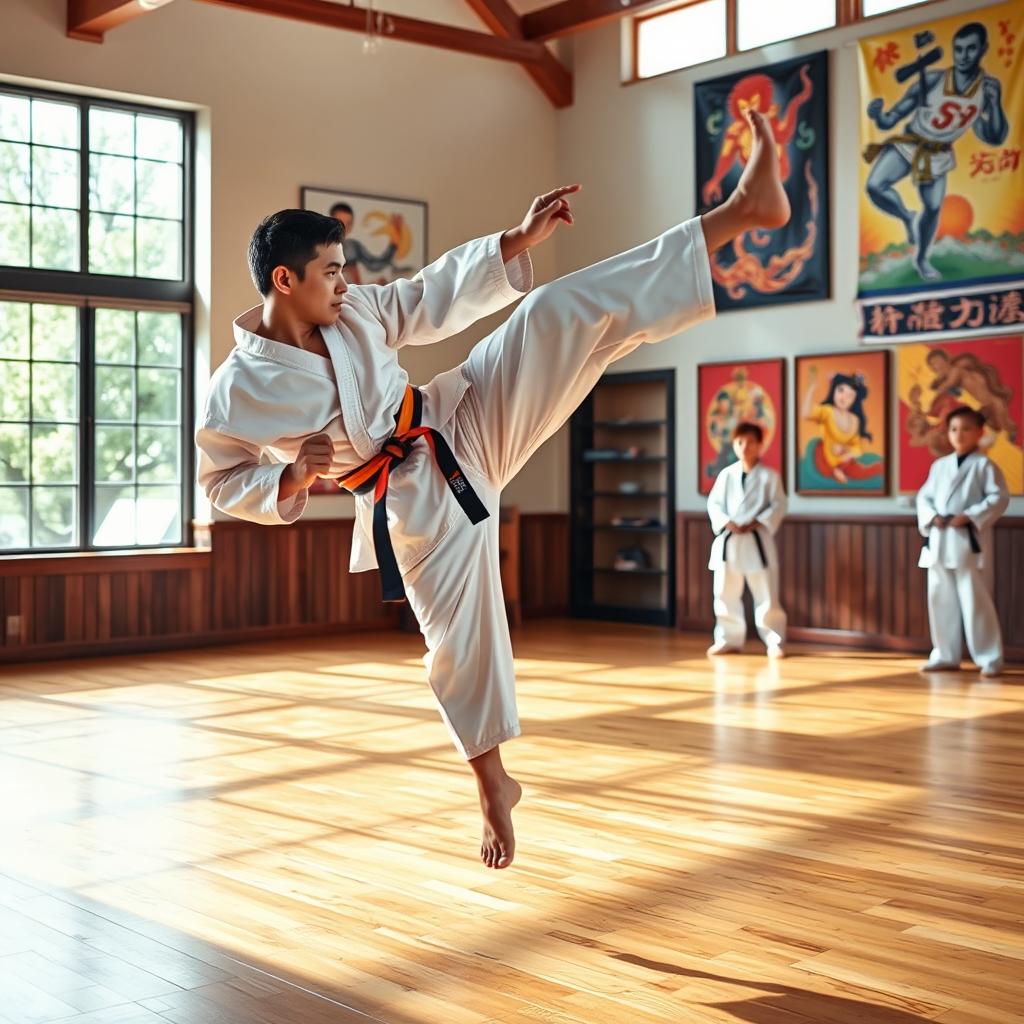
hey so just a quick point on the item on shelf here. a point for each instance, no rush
(635, 521)
(634, 451)
(632, 558)
(629, 487)
(601, 454)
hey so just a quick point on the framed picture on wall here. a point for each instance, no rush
(791, 263)
(751, 390)
(385, 238)
(842, 417)
(934, 378)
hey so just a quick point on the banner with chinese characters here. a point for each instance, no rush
(789, 264)
(942, 181)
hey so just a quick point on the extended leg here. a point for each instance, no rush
(769, 615)
(932, 195)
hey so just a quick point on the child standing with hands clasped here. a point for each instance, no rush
(746, 507)
(964, 495)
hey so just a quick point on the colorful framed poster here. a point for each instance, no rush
(942, 182)
(842, 416)
(933, 379)
(751, 390)
(791, 263)
(385, 238)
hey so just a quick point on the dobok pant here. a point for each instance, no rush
(525, 380)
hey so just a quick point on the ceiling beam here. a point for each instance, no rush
(549, 74)
(570, 16)
(408, 30)
(89, 19)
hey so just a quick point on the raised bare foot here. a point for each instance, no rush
(498, 795)
(759, 196)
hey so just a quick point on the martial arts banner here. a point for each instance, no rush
(790, 264)
(942, 186)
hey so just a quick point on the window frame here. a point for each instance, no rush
(848, 12)
(88, 291)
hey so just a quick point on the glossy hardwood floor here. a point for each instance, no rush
(282, 833)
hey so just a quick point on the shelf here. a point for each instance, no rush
(619, 459)
(624, 529)
(624, 572)
(619, 425)
(624, 494)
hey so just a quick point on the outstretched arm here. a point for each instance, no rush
(784, 132)
(467, 283)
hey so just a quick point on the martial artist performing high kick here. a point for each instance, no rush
(313, 388)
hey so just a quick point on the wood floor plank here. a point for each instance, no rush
(279, 833)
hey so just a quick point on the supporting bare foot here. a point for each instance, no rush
(499, 793)
(759, 200)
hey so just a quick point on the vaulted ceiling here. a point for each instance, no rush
(511, 30)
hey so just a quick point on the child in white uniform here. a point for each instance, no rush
(964, 495)
(746, 506)
(314, 389)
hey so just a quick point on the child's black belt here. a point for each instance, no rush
(374, 474)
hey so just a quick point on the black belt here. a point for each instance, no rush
(374, 474)
(760, 546)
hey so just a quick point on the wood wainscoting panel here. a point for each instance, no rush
(853, 582)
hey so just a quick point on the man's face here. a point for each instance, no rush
(964, 434)
(747, 448)
(317, 298)
(346, 220)
(967, 52)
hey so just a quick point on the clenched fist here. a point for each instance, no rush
(314, 459)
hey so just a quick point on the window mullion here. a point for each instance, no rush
(87, 420)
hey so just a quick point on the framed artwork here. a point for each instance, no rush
(791, 263)
(751, 390)
(842, 416)
(385, 238)
(941, 203)
(935, 378)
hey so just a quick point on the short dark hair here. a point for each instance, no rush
(289, 238)
(967, 413)
(342, 208)
(973, 28)
(752, 429)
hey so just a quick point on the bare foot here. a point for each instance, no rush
(759, 196)
(499, 793)
(498, 845)
(759, 200)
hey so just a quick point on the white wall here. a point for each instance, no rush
(632, 147)
(283, 104)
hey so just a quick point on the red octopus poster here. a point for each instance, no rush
(790, 264)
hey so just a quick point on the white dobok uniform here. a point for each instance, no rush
(959, 560)
(516, 388)
(750, 558)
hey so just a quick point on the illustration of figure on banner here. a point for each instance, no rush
(942, 104)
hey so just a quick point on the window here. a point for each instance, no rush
(872, 7)
(95, 324)
(759, 23)
(680, 38)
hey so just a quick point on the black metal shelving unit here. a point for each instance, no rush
(624, 410)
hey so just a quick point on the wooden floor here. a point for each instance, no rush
(282, 833)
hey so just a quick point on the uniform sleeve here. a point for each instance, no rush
(926, 510)
(237, 482)
(464, 285)
(716, 505)
(771, 518)
(985, 512)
